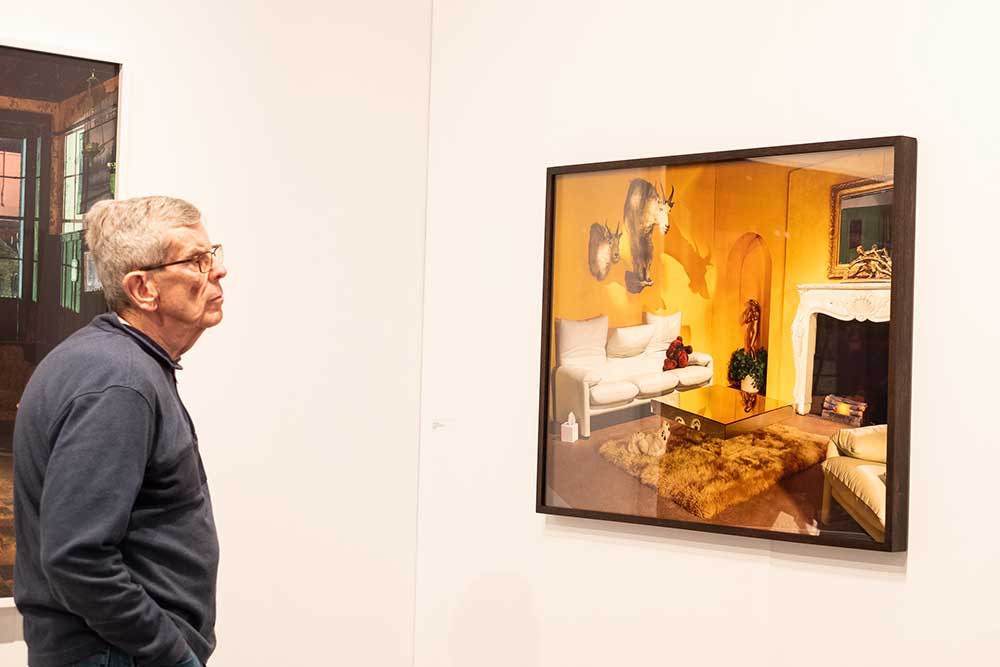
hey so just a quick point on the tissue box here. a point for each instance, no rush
(570, 432)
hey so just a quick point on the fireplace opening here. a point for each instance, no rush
(850, 381)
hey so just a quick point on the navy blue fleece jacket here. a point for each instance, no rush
(116, 541)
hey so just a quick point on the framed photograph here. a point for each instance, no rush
(726, 342)
(58, 138)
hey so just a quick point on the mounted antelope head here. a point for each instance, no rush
(614, 238)
(663, 206)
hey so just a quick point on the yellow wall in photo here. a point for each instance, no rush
(695, 271)
(750, 247)
(585, 199)
(717, 208)
(808, 253)
(738, 230)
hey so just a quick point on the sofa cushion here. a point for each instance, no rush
(654, 384)
(629, 341)
(581, 342)
(607, 393)
(697, 358)
(691, 375)
(667, 328)
(627, 368)
(862, 479)
(867, 442)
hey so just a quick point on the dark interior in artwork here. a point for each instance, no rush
(58, 132)
(852, 363)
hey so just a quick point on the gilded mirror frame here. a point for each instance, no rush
(839, 192)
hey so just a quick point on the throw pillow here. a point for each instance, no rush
(867, 442)
(667, 328)
(629, 341)
(581, 342)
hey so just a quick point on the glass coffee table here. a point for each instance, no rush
(722, 412)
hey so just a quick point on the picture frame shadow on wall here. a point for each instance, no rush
(726, 342)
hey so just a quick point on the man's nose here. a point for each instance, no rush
(219, 270)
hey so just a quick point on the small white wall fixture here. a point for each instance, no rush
(862, 301)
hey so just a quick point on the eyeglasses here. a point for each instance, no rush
(204, 260)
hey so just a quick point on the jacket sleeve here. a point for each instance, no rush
(93, 476)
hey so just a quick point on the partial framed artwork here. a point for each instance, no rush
(726, 342)
(58, 155)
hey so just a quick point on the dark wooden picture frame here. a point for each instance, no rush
(897, 439)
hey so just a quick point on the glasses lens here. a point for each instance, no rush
(205, 262)
(210, 259)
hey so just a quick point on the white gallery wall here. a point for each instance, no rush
(299, 128)
(519, 85)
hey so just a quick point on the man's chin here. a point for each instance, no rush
(213, 318)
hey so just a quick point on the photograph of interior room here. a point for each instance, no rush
(368, 411)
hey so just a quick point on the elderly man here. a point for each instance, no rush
(116, 544)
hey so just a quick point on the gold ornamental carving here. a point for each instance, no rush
(874, 264)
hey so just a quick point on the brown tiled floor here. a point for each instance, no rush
(583, 479)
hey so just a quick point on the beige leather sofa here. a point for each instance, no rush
(854, 475)
(600, 370)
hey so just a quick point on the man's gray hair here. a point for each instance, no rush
(128, 234)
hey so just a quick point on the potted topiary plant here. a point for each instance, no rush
(748, 371)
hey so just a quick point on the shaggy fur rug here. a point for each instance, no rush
(706, 475)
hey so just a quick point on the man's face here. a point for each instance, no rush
(188, 299)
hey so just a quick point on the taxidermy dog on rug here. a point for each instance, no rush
(650, 443)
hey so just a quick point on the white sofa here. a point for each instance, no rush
(600, 370)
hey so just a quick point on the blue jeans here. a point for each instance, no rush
(113, 657)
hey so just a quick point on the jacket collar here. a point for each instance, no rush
(111, 321)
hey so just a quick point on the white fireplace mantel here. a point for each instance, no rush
(864, 301)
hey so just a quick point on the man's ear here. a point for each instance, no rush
(140, 289)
